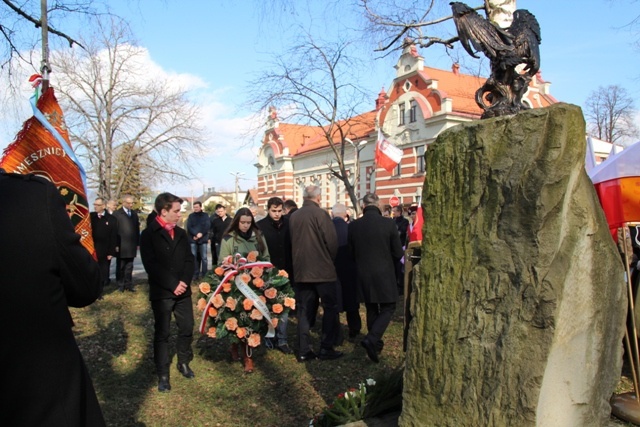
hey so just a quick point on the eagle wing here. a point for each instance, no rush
(474, 30)
(526, 39)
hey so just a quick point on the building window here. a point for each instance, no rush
(420, 159)
(398, 169)
(412, 112)
(401, 115)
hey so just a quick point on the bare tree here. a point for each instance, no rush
(391, 21)
(314, 84)
(610, 114)
(115, 109)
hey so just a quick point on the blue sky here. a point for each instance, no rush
(224, 44)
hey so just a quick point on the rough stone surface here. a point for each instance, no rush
(519, 316)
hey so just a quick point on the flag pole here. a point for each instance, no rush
(44, 69)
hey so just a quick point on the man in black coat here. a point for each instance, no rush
(375, 245)
(44, 268)
(346, 271)
(104, 229)
(220, 221)
(275, 229)
(166, 256)
(198, 231)
(128, 240)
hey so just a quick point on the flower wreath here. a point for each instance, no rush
(244, 300)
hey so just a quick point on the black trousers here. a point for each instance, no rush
(182, 310)
(104, 265)
(378, 319)
(126, 273)
(307, 294)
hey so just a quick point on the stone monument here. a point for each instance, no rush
(519, 315)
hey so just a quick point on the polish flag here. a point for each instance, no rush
(387, 155)
(617, 182)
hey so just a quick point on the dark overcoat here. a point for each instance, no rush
(375, 246)
(346, 267)
(45, 269)
(105, 234)
(128, 233)
(167, 261)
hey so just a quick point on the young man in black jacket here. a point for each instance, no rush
(275, 229)
(166, 256)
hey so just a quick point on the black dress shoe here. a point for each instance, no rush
(309, 355)
(329, 354)
(371, 350)
(185, 370)
(163, 383)
(131, 290)
(285, 349)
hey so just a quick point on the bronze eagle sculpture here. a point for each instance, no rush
(513, 52)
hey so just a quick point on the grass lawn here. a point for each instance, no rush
(115, 337)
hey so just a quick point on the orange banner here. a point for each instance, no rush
(620, 200)
(42, 147)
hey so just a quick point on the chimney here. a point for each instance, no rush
(456, 68)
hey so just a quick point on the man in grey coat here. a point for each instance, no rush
(375, 245)
(314, 246)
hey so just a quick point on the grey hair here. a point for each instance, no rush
(370, 199)
(339, 210)
(311, 192)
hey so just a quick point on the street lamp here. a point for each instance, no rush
(237, 175)
(356, 163)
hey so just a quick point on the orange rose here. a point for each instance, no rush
(231, 303)
(255, 314)
(245, 277)
(271, 293)
(283, 273)
(257, 272)
(226, 287)
(247, 304)
(204, 287)
(219, 271)
(211, 333)
(258, 282)
(227, 259)
(202, 303)
(241, 332)
(263, 299)
(213, 312)
(252, 256)
(277, 308)
(231, 324)
(218, 301)
(253, 340)
(274, 322)
(290, 302)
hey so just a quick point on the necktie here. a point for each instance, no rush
(128, 213)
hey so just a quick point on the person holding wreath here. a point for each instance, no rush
(243, 236)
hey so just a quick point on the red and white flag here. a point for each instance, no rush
(387, 155)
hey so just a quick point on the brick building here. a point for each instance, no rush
(420, 103)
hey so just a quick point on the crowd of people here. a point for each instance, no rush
(333, 261)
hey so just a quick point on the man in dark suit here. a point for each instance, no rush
(104, 229)
(220, 221)
(346, 271)
(128, 239)
(166, 255)
(375, 245)
(44, 268)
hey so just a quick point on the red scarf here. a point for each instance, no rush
(167, 226)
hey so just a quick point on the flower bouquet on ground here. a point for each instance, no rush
(244, 300)
(370, 399)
